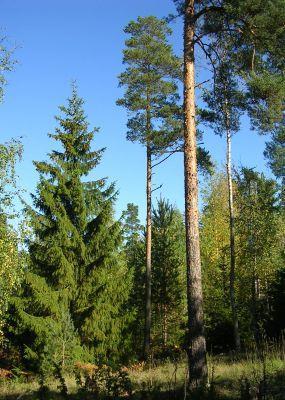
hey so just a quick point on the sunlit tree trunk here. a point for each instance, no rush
(197, 344)
(147, 343)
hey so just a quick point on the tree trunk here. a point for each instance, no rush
(147, 343)
(196, 343)
(253, 256)
(232, 242)
(254, 305)
(164, 325)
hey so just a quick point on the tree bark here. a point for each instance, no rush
(232, 242)
(147, 343)
(254, 301)
(196, 339)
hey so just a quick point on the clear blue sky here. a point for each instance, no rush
(62, 40)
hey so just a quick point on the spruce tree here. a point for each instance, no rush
(169, 277)
(131, 225)
(134, 249)
(76, 271)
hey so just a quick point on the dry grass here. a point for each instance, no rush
(162, 380)
(17, 389)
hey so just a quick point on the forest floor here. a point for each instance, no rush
(244, 379)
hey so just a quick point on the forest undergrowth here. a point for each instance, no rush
(258, 374)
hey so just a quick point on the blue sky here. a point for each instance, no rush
(62, 40)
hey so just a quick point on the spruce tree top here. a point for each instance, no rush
(77, 158)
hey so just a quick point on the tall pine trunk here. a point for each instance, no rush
(232, 242)
(147, 343)
(197, 344)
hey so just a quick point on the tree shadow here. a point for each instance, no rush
(140, 395)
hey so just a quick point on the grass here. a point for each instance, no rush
(167, 381)
(230, 376)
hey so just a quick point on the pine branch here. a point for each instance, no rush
(207, 10)
(201, 83)
(158, 187)
(171, 152)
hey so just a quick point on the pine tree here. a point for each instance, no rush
(275, 153)
(251, 27)
(76, 268)
(196, 343)
(151, 96)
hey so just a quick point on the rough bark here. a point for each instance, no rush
(232, 243)
(196, 344)
(147, 343)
